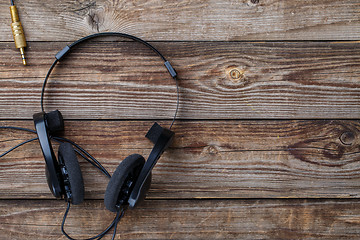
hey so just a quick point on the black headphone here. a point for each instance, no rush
(132, 178)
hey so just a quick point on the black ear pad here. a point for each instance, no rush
(127, 171)
(55, 121)
(67, 155)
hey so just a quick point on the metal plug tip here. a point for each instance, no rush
(22, 52)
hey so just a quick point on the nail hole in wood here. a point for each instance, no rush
(347, 138)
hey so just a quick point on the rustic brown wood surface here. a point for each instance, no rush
(194, 219)
(217, 81)
(212, 159)
(267, 143)
(188, 20)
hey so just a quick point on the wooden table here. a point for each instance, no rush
(267, 141)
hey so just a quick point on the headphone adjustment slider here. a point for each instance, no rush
(170, 69)
(62, 52)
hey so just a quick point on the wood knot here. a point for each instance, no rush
(333, 151)
(95, 19)
(253, 2)
(347, 138)
(236, 75)
(211, 149)
(307, 151)
(83, 8)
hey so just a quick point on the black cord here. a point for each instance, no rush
(177, 103)
(99, 236)
(60, 140)
(12, 2)
(95, 162)
(68, 48)
(20, 144)
(44, 84)
(82, 152)
(117, 219)
(18, 128)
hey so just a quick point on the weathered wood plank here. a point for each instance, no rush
(204, 219)
(211, 159)
(125, 80)
(188, 20)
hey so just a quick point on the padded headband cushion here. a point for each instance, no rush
(55, 121)
(67, 153)
(132, 162)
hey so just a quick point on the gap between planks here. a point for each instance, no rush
(188, 20)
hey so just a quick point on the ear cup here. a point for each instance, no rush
(55, 121)
(67, 155)
(117, 188)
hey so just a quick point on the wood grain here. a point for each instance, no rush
(208, 159)
(223, 178)
(204, 219)
(188, 20)
(122, 80)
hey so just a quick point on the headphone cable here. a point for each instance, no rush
(18, 128)
(95, 162)
(119, 215)
(19, 145)
(177, 103)
(82, 152)
(117, 218)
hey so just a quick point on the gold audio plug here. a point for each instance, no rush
(18, 32)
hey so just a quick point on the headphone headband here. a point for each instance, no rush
(126, 188)
(66, 50)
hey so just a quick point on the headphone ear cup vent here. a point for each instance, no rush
(55, 121)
